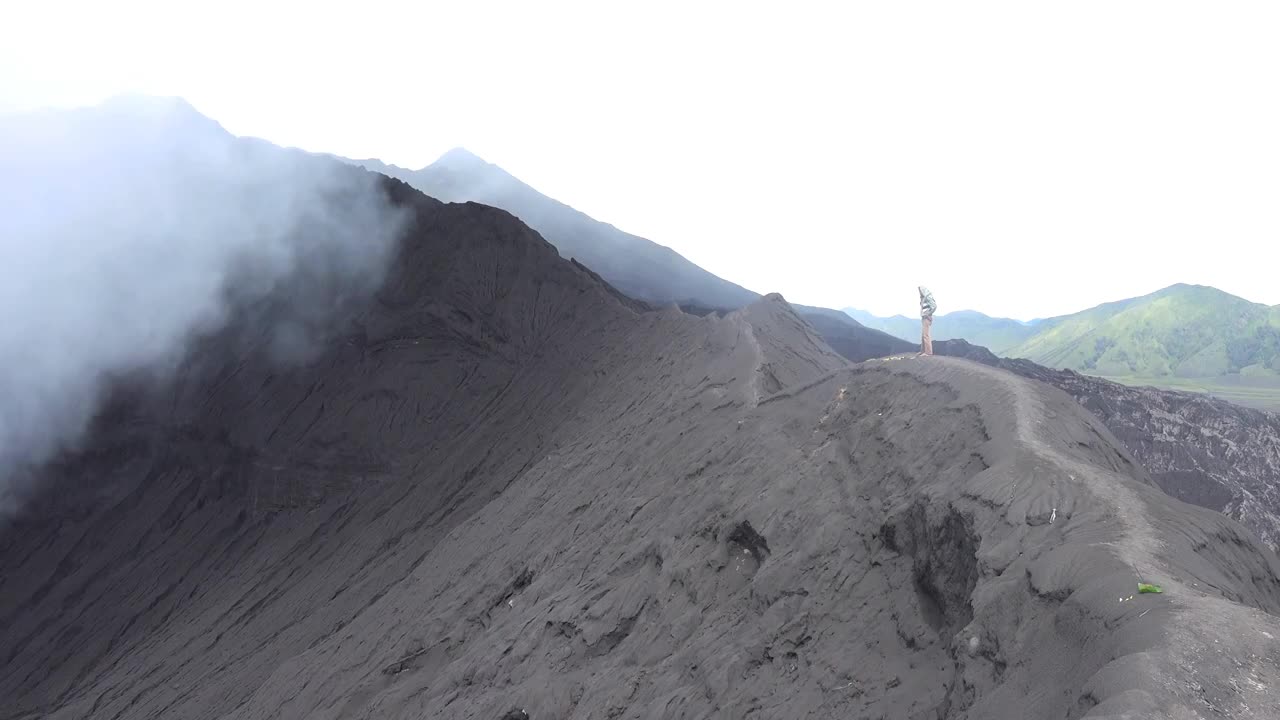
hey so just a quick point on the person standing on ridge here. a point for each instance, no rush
(927, 308)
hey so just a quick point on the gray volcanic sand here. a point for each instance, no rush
(510, 490)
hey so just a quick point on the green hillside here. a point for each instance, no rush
(1185, 337)
(1184, 331)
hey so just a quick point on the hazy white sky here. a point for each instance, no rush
(1020, 158)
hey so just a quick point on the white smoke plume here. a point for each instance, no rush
(129, 229)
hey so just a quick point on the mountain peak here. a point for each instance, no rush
(160, 111)
(460, 158)
(139, 102)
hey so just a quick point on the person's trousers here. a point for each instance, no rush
(926, 341)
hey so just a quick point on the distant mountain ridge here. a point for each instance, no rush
(999, 334)
(645, 271)
(636, 266)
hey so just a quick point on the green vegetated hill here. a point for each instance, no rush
(997, 334)
(1184, 331)
(1185, 337)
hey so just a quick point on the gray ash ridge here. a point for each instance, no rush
(1206, 452)
(506, 491)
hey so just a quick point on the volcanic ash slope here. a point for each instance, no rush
(512, 490)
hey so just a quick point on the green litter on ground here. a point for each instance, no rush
(1149, 588)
